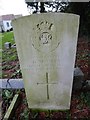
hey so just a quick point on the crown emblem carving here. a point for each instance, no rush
(44, 26)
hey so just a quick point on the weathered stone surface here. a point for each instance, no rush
(13, 84)
(78, 79)
(78, 72)
(46, 45)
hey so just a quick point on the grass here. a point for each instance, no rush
(7, 37)
(9, 56)
(0, 46)
(0, 40)
(79, 109)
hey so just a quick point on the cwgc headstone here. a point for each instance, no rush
(46, 45)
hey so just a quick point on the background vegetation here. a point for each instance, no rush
(80, 103)
(80, 8)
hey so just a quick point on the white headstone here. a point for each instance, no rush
(46, 45)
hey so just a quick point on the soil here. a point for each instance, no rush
(80, 108)
(80, 102)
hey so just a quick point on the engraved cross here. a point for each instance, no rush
(47, 83)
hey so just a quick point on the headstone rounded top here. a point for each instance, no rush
(47, 14)
(43, 27)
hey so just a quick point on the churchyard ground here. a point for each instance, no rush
(10, 62)
(80, 103)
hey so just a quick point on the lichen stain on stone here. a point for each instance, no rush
(65, 99)
(52, 58)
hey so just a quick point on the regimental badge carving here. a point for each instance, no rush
(44, 36)
(44, 29)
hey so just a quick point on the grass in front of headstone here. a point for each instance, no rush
(80, 107)
(7, 37)
(0, 42)
(83, 54)
(10, 62)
